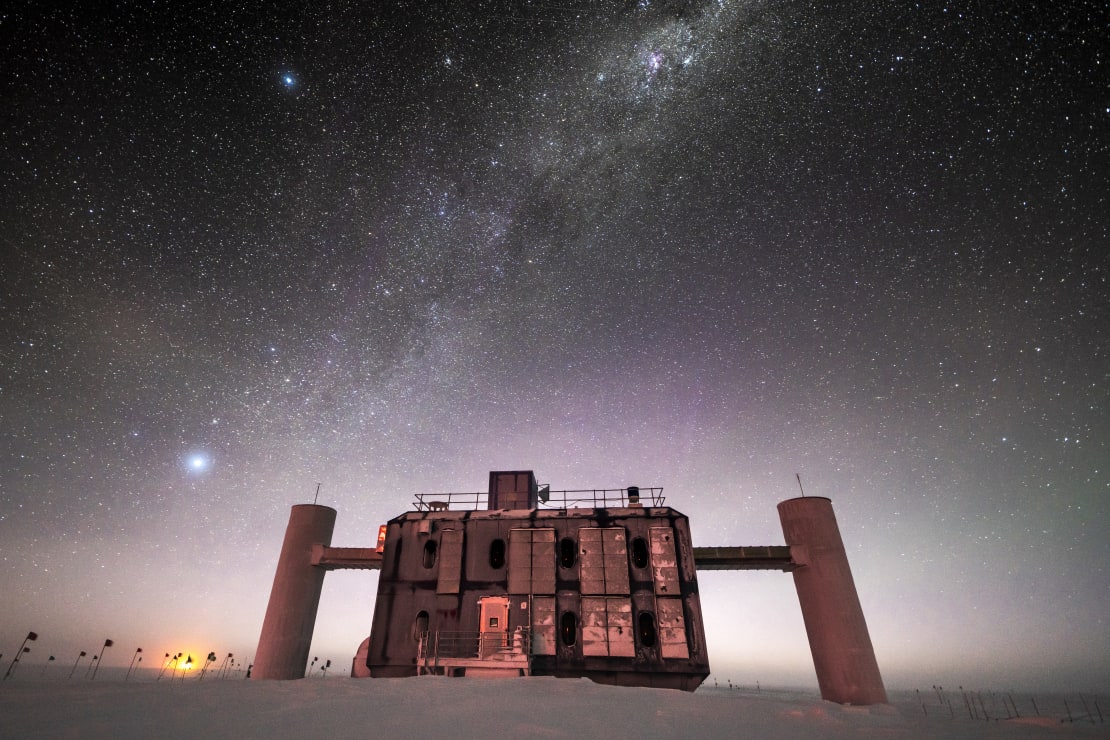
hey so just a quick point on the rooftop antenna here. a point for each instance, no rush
(317, 494)
(799, 477)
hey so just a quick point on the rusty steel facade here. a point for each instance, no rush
(590, 583)
(606, 593)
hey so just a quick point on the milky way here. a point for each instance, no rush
(703, 246)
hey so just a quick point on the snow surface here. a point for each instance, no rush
(525, 707)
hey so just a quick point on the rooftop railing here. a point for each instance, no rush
(594, 498)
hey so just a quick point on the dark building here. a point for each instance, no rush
(596, 583)
(593, 584)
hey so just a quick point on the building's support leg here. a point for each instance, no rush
(843, 657)
(291, 614)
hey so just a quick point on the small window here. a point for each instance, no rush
(568, 552)
(568, 628)
(497, 554)
(639, 553)
(429, 553)
(646, 625)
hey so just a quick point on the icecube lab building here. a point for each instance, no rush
(595, 583)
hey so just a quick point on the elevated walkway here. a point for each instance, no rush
(762, 557)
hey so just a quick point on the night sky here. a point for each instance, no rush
(702, 245)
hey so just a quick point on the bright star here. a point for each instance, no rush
(198, 462)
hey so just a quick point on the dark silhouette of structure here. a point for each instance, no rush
(596, 583)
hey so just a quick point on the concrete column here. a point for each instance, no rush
(291, 614)
(843, 657)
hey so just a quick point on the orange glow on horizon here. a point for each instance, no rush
(179, 663)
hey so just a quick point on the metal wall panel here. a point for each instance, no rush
(595, 626)
(607, 627)
(621, 642)
(664, 567)
(450, 561)
(543, 561)
(520, 561)
(603, 560)
(532, 561)
(543, 625)
(672, 629)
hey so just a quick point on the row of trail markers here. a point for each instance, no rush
(180, 660)
(94, 665)
(225, 667)
(167, 663)
(185, 662)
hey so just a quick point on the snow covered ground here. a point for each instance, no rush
(534, 707)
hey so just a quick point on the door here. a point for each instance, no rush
(493, 619)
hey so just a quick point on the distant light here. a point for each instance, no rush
(198, 463)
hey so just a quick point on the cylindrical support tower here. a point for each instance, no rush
(291, 614)
(843, 657)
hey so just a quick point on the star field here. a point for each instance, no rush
(700, 245)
